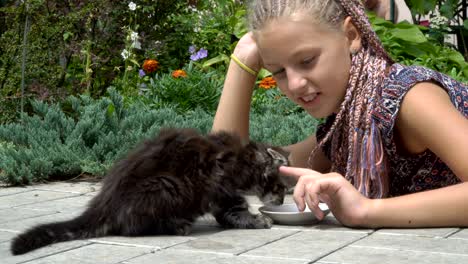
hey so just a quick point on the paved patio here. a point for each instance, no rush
(326, 242)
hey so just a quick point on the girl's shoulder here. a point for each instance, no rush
(408, 76)
(400, 79)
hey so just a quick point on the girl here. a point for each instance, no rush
(394, 149)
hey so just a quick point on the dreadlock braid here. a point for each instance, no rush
(365, 163)
(262, 11)
(356, 144)
(355, 9)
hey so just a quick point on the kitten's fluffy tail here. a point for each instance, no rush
(79, 228)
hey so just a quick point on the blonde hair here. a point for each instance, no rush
(356, 144)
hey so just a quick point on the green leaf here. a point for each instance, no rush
(465, 23)
(421, 7)
(413, 51)
(67, 35)
(240, 28)
(380, 21)
(411, 34)
(456, 57)
(135, 62)
(405, 25)
(263, 73)
(216, 60)
(110, 110)
(448, 8)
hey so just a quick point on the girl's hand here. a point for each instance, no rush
(348, 205)
(380, 7)
(247, 51)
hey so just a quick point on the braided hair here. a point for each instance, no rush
(356, 144)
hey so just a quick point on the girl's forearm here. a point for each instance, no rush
(446, 206)
(234, 105)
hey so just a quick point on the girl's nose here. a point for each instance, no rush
(296, 82)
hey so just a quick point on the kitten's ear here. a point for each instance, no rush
(275, 154)
(259, 156)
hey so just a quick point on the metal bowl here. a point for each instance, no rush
(288, 214)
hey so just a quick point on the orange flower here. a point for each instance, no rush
(150, 65)
(267, 83)
(179, 73)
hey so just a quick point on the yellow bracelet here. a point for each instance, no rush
(243, 66)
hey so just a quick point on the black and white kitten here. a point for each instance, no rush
(169, 181)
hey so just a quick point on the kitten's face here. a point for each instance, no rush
(273, 186)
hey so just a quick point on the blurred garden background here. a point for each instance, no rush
(81, 82)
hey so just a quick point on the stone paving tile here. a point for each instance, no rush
(331, 223)
(22, 225)
(235, 241)
(328, 224)
(33, 196)
(159, 242)
(426, 232)
(14, 214)
(94, 253)
(6, 236)
(310, 245)
(70, 187)
(462, 234)
(153, 242)
(369, 255)
(4, 191)
(415, 243)
(192, 257)
(7, 258)
(76, 203)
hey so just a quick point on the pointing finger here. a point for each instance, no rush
(295, 171)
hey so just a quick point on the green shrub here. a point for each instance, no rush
(199, 89)
(407, 44)
(274, 102)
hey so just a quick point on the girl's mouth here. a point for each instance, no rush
(309, 100)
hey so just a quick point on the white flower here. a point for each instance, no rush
(134, 36)
(136, 44)
(132, 6)
(191, 8)
(437, 20)
(135, 39)
(125, 54)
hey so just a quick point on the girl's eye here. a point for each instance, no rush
(308, 61)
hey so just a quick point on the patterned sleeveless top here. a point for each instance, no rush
(409, 173)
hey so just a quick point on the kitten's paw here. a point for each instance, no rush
(244, 219)
(262, 221)
(183, 230)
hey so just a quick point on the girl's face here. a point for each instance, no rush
(310, 63)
